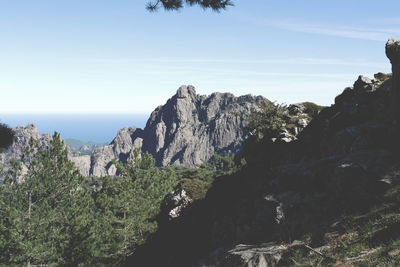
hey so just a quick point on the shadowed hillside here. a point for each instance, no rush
(328, 198)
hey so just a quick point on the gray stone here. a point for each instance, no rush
(262, 255)
(82, 163)
(175, 202)
(186, 131)
(393, 53)
(120, 149)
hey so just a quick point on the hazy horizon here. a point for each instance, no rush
(98, 128)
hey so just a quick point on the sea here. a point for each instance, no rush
(98, 128)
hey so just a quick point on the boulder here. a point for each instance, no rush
(174, 203)
(262, 255)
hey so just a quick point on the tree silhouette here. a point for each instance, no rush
(215, 5)
(6, 136)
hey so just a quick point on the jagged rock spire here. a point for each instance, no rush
(393, 53)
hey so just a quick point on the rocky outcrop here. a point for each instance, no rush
(262, 255)
(120, 149)
(22, 135)
(82, 162)
(174, 203)
(190, 128)
(393, 53)
(186, 131)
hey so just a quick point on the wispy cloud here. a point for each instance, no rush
(386, 21)
(354, 32)
(272, 61)
(170, 70)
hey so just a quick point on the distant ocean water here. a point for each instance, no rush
(99, 128)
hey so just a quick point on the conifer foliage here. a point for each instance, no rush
(128, 206)
(215, 5)
(52, 215)
(45, 217)
(6, 136)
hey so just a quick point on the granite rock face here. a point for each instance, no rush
(186, 131)
(190, 128)
(22, 135)
(82, 162)
(393, 53)
(119, 149)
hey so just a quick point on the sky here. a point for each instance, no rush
(114, 57)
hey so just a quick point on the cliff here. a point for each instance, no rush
(186, 131)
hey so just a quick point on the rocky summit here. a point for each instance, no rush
(186, 131)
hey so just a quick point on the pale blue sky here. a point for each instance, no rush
(112, 56)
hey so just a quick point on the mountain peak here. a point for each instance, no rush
(186, 91)
(186, 131)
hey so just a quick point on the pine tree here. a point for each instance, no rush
(127, 206)
(6, 136)
(46, 218)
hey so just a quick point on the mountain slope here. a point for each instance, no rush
(334, 190)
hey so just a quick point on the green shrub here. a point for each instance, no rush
(195, 188)
(268, 121)
(312, 109)
(6, 136)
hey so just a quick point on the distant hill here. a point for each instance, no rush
(82, 147)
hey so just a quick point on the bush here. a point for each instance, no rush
(268, 121)
(312, 109)
(6, 136)
(195, 188)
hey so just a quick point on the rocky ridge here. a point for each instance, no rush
(186, 131)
